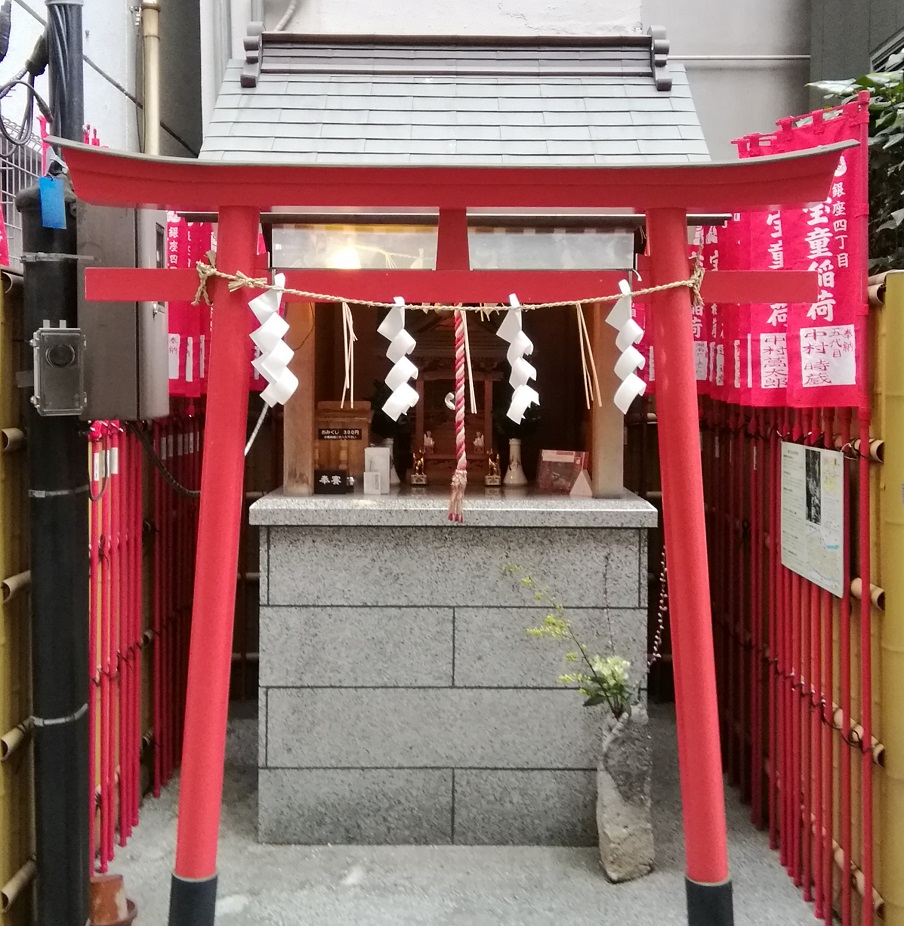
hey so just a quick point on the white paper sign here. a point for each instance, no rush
(173, 356)
(813, 515)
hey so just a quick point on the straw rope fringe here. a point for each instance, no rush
(238, 280)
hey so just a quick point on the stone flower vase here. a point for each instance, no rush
(514, 475)
(623, 817)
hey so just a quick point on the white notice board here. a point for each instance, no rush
(813, 515)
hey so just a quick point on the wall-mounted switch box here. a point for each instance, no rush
(59, 373)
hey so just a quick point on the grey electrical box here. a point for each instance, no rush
(59, 356)
(126, 372)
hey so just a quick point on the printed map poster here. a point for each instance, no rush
(813, 515)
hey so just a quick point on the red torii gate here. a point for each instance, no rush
(239, 192)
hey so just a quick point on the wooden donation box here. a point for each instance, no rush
(341, 436)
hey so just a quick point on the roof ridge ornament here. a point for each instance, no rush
(659, 57)
(253, 43)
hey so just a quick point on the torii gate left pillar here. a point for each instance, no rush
(666, 193)
(194, 889)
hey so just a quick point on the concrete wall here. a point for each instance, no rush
(845, 34)
(401, 700)
(737, 60)
(474, 17)
(112, 69)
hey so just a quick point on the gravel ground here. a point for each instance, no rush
(471, 886)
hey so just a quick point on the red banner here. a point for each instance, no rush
(177, 257)
(801, 355)
(767, 342)
(190, 326)
(828, 339)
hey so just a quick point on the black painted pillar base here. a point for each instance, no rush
(192, 903)
(709, 904)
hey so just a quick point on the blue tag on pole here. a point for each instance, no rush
(53, 203)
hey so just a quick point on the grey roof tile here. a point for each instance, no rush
(335, 100)
(570, 147)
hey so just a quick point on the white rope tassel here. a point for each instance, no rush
(349, 337)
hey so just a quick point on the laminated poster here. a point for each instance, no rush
(813, 515)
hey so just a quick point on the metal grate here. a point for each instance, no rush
(20, 169)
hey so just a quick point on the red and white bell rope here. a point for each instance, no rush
(460, 476)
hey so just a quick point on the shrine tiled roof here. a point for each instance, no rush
(468, 101)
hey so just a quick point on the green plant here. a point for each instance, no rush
(886, 159)
(602, 679)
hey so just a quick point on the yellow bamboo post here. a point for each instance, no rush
(891, 577)
(16, 825)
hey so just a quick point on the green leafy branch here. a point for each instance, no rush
(602, 679)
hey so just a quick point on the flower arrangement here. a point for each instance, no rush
(600, 679)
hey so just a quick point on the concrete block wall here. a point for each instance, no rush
(401, 700)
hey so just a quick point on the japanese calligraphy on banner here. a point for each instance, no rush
(767, 345)
(177, 258)
(804, 355)
(191, 326)
(827, 339)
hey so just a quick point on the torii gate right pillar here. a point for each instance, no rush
(709, 898)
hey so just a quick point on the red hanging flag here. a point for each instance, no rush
(828, 339)
(177, 257)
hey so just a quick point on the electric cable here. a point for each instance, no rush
(35, 65)
(171, 480)
(290, 12)
(159, 464)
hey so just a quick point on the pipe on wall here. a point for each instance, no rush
(13, 739)
(876, 594)
(150, 39)
(16, 885)
(13, 586)
(11, 439)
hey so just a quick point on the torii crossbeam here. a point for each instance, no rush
(239, 193)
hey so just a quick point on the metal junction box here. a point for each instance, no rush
(59, 356)
(126, 373)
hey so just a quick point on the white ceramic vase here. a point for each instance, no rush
(514, 475)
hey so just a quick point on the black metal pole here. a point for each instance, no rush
(58, 506)
(67, 82)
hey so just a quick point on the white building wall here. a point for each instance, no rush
(747, 63)
(461, 17)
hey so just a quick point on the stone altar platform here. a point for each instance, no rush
(401, 701)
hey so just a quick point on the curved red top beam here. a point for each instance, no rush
(115, 178)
